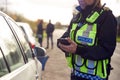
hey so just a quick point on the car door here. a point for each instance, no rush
(33, 63)
(10, 50)
(17, 52)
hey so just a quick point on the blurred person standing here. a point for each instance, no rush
(40, 31)
(92, 40)
(49, 31)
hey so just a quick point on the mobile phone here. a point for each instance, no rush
(63, 41)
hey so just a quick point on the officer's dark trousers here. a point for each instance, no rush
(76, 78)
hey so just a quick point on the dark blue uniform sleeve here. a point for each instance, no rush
(106, 41)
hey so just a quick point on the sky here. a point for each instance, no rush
(56, 10)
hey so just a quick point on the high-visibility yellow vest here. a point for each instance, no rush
(86, 35)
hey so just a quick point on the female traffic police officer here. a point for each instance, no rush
(92, 39)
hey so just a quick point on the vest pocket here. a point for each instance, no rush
(79, 61)
(85, 66)
(86, 35)
(91, 66)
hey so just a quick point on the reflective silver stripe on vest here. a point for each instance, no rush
(86, 33)
(91, 64)
(78, 62)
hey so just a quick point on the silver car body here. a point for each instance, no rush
(30, 68)
(28, 32)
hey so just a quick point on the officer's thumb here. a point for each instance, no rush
(69, 40)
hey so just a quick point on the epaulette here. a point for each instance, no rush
(106, 8)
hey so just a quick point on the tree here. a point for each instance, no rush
(58, 25)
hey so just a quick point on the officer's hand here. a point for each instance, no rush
(69, 48)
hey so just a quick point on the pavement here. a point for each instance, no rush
(115, 62)
(56, 67)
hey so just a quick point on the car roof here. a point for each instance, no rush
(27, 30)
(24, 25)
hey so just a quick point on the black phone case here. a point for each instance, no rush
(63, 41)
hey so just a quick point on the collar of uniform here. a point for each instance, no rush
(79, 8)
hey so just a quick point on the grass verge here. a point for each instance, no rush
(118, 39)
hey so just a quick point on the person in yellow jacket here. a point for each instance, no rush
(90, 41)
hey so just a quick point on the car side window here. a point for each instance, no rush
(10, 46)
(23, 41)
(3, 66)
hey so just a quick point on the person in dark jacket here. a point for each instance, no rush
(49, 32)
(40, 32)
(92, 41)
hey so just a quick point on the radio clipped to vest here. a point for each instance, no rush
(94, 15)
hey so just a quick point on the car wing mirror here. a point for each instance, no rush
(39, 51)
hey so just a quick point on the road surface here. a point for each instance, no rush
(57, 69)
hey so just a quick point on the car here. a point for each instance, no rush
(28, 33)
(17, 60)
